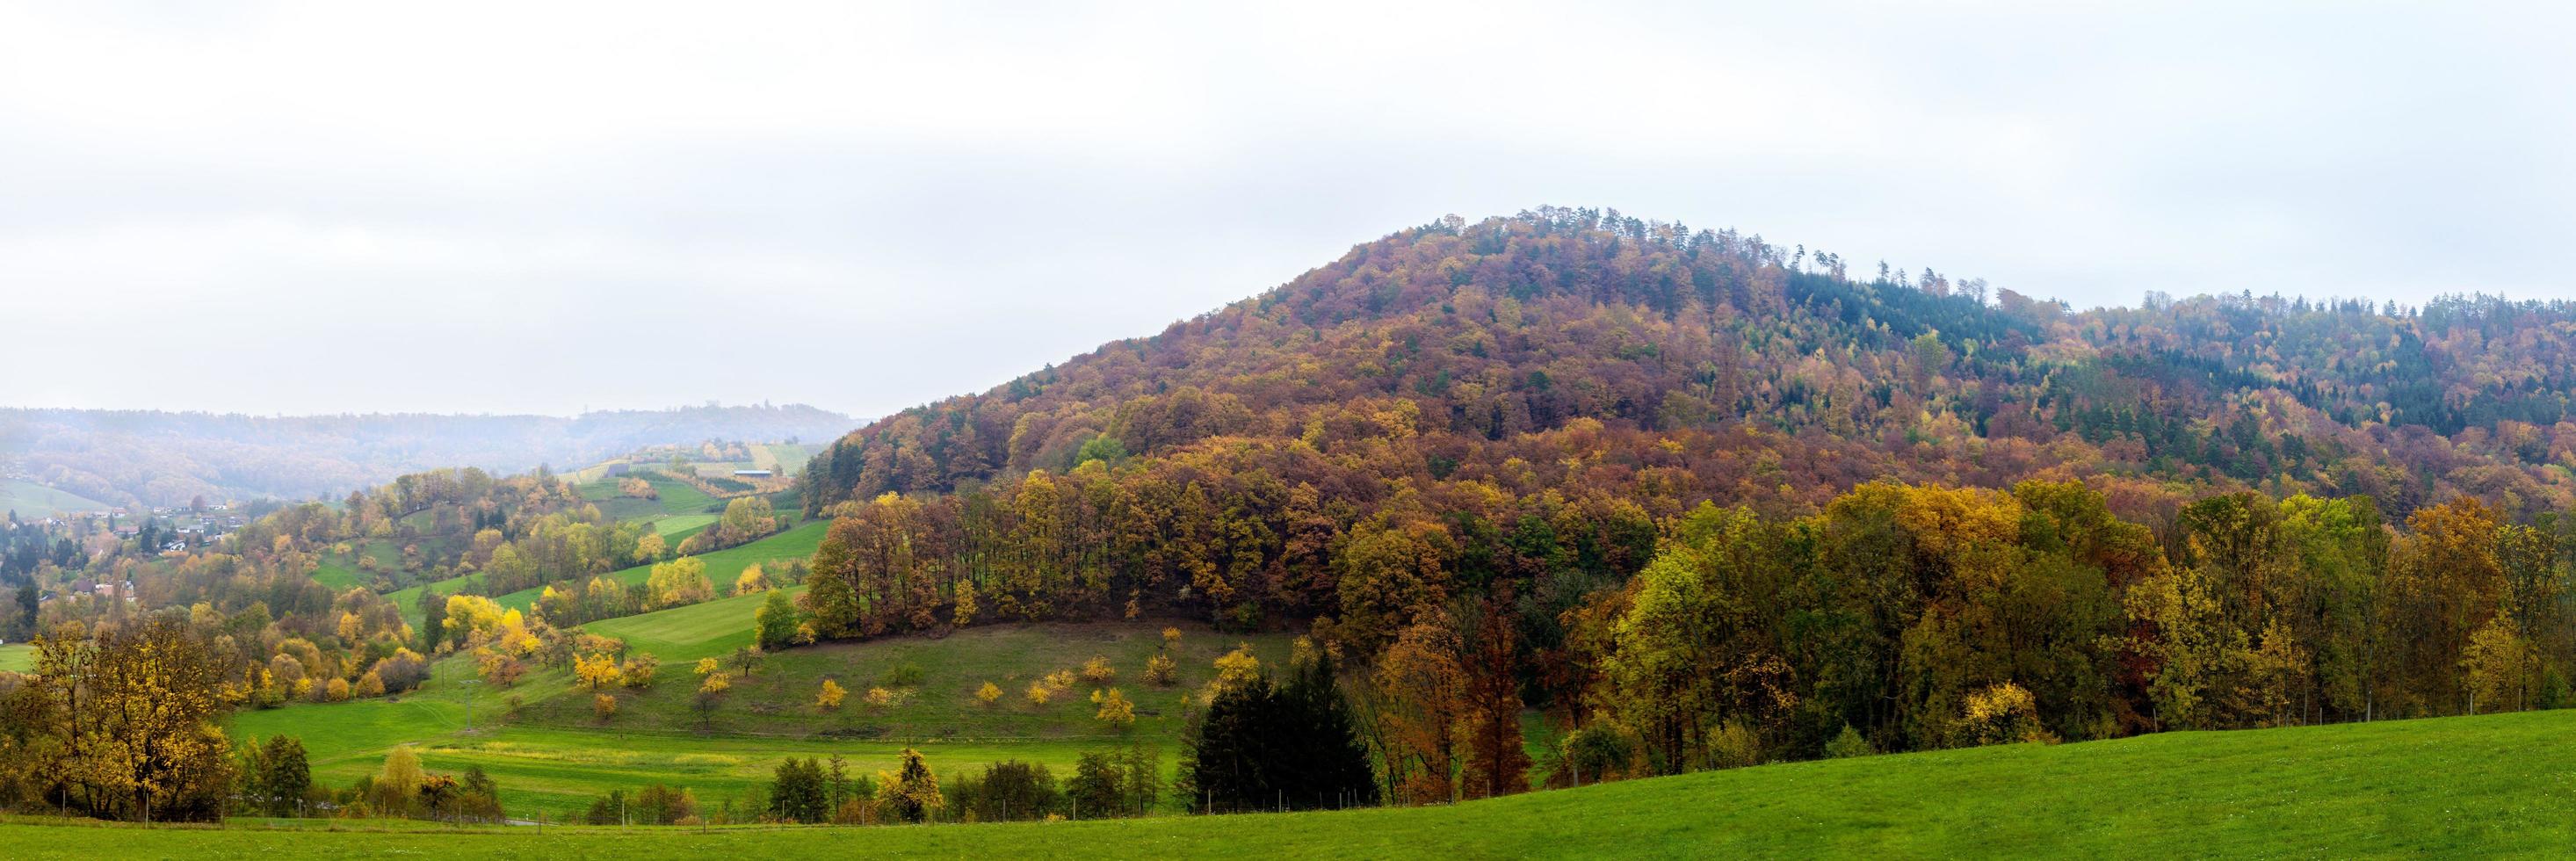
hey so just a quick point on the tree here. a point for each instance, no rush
(597, 671)
(989, 694)
(397, 786)
(640, 670)
(603, 706)
(750, 581)
(1161, 670)
(1258, 746)
(911, 793)
(275, 775)
(775, 621)
(679, 581)
(797, 792)
(710, 689)
(1115, 710)
(830, 697)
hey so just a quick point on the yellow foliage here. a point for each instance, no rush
(1098, 671)
(988, 694)
(830, 697)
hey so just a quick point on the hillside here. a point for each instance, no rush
(553, 753)
(129, 457)
(1596, 374)
(2400, 788)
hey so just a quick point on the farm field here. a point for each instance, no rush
(2465, 786)
(32, 500)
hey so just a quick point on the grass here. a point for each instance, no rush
(722, 566)
(2451, 787)
(678, 498)
(17, 658)
(32, 500)
(710, 629)
(552, 754)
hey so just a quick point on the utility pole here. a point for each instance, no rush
(469, 703)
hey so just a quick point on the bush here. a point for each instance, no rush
(1599, 752)
(1161, 669)
(1848, 744)
(1098, 671)
(988, 694)
(903, 675)
(605, 706)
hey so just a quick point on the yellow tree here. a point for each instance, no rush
(830, 697)
(1115, 710)
(597, 671)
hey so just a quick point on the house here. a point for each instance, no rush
(751, 473)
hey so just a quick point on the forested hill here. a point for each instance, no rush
(1577, 353)
(164, 458)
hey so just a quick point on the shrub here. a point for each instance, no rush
(1848, 744)
(1115, 710)
(988, 694)
(1098, 671)
(880, 698)
(605, 706)
(1039, 693)
(830, 697)
(1160, 669)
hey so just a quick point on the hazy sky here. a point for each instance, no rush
(523, 207)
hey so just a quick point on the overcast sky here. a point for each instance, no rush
(523, 207)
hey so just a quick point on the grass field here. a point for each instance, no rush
(17, 657)
(32, 500)
(2492, 785)
(552, 754)
(722, 566)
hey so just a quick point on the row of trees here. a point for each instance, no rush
(1924, 617)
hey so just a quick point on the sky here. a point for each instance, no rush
(544, 208)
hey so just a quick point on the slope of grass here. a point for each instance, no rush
(679, 498)
(709, 629)
(2448, 787)
(17, 658)
(722, 566)
(550, 752)
(32, 500)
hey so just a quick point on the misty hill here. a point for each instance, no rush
(162, 458)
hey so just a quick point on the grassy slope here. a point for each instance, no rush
(553, 755)
(722, 566)
(2475, 786)
(32, 500)
(17, 657)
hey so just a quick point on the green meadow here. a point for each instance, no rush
(2491, 785)
(551, 753)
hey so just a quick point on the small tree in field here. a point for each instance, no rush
(1171, 638)
(709, 691)
(1115, 710)
(988, 694)
(1098, 671)
(1161, 669)
(830, 698)
(605, 706)
(708, 667)
(1039, 693)
(879, 698)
